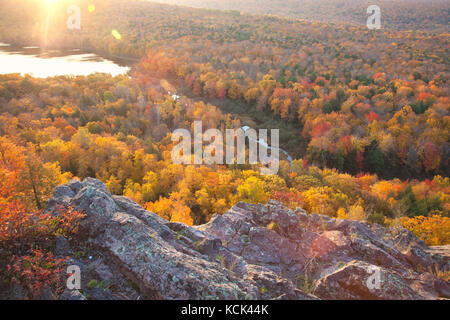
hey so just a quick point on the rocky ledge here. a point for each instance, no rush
(250, 252)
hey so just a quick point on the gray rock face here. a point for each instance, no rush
(62, 247)
(73, 295)
(250, 252)
(353, 281)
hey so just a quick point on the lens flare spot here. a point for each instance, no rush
(116, 34)
(91, 8)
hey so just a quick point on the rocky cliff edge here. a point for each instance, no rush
(250, 252)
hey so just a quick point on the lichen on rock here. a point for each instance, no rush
(250, 252)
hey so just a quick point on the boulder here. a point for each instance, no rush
(353, 281)
(62, 247)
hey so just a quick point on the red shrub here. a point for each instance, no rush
(36, 270)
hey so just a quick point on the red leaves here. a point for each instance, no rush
(305, 163)
(197, 89)
(22, 234)
(372, 116)
(221, 92)
(320, 129)
(346, 143)
(430, 156)
(15, 221)
(360, 160)
(291, 199)
(283, 93)
(36, 270)
(20, 226)
(379, 75)
(189, 80)
(158, 63)
(423, 96)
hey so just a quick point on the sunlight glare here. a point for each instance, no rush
(116, 34)
(50, 2)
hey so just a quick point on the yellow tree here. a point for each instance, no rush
(252, 190)
(38, 179)
(172, 209)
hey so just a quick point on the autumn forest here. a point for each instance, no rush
(364, 113)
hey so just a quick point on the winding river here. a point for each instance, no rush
(264, 144)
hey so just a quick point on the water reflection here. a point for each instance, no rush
(48, 63)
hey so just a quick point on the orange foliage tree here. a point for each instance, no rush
(172, 209)
(434, 230)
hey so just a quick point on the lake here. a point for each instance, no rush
(49, 63)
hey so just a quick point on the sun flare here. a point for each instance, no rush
(50, 2)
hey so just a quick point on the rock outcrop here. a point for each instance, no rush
(250, 252)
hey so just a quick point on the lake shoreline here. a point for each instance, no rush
(126, 61)
(46, 62)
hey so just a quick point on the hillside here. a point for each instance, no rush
(398, 14)
(348, 98)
